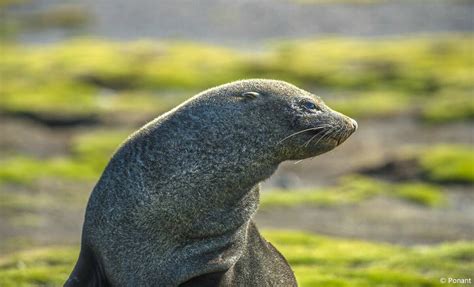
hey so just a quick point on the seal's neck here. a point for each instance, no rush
(226, 204)
(201, 183)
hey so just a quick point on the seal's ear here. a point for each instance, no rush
(249, 95)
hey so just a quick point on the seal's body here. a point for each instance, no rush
(175, 204)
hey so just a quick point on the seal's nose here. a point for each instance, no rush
(354, 124)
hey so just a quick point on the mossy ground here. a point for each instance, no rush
(426, 78)
(316, 261)
(89, 153)
(429, 76)
(449, 163)
(354, 189)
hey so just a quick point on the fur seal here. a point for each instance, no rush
(174, 206)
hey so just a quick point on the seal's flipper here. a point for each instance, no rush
(87, 272)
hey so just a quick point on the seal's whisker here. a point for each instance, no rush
(343, 135)
(338, 132)
(305, 130)
(346, 134)
(326, 134)
(313, 137)
(297, 162)
(322, 136)
(308, 141)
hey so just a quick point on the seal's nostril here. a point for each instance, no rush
(354, 124)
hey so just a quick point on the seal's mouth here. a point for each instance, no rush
(330, 136)
(340, 140)
(337, 137)
(343, 135)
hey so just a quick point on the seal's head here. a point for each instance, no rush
(281, 117)
(315, 128)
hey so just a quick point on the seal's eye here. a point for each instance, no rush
(311, 106)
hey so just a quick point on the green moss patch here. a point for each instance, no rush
(362, 105)
(26, 170)
(436, 164)
(324, 261)
(449, 163)
(382, 77)
(449, 106)
(90, 153)
(354, 189)
(421, 193)
(38, 267)
(23, 169)
(316, 261)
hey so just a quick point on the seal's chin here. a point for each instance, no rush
(320, 148)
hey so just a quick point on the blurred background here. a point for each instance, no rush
(393, 206)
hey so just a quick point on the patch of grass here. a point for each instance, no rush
(38, 267)
(66, 98)
(421, 193)
(449, 106)
(19, 169)
(90, 153)
(448, 163)
(316, 261)
(95, 148)
(72, 78)
(286, 198)
(354, 189)
(25, 170)
(324, 261)
(362, 105)
(132, 102)
(384, 76)
(415, 66)
(350, 190)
